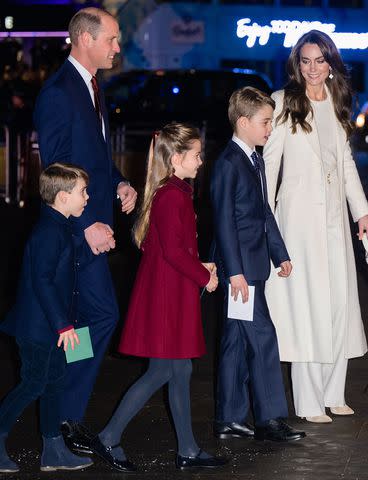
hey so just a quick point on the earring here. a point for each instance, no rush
(331, 74)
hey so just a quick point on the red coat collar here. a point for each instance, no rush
(181, 184)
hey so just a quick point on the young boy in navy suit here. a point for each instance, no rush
(42, 319)
(246, 238)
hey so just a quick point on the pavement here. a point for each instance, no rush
(335, 451)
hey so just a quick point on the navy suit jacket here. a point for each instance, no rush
(69, 131)
(246, 233)
(44, 302)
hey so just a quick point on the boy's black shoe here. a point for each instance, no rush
(228, 430)
(277, 430)
(77, 437)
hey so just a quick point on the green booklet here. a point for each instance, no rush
(83, 350)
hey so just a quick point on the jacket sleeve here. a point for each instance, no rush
(223, 193)
(171, 228)
(45, 255)
(53, 118)
(273, 150)
(353, 186)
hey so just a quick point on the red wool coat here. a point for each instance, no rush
(164, 316)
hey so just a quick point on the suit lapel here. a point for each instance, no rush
(246, 161)
(85, 98)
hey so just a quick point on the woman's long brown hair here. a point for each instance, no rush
(297, 105)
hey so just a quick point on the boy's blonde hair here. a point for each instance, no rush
(173, 138)
(245, 102)
(59, 177)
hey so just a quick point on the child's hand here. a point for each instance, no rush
(286, 268)
(211, 267)
(239, 285)
(66, 337)
(212, 284)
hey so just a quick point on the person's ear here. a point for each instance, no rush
(62, 196)
(85, 39)
(243, 122)
(176, 159)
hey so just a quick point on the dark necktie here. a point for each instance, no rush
(96, 97)
(257, 167)
(256, 164)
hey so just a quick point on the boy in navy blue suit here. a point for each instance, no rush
(42, 319)
(246, 238)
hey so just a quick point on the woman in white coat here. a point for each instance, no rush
(316, 310)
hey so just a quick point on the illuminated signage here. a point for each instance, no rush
(293, 29)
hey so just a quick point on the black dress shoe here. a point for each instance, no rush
(106, 454)
(77, 437)
(233, 430)
(196, 462)
(277, 431)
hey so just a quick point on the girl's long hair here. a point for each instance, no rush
(297, 105)
(173, 138)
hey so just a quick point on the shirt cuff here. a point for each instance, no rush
(65, 329)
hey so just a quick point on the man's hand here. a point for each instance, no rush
(363, 226)
(70, 336)
(239, 285)
(100, 237)
(286, 268)
(128, 197)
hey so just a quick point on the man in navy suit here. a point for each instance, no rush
(72, 125)
(246, 237)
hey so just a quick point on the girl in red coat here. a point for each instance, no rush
(163, 321)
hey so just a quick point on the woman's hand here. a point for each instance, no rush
(363, 226)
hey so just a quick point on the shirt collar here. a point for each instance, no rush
(84, 73)
(246, 149)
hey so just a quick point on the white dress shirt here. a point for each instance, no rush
(248, 151)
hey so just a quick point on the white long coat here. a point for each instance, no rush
(300, 305)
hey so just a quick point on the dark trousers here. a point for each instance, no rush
(97, 308)
(249, 370)
(42, 376)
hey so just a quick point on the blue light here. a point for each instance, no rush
(175, 90)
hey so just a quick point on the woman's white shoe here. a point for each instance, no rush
(319, 419)
(344, 410)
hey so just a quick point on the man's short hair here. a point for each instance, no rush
(245, 102)
(59, 177)
(86, 20)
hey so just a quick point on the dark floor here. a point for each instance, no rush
(334, 451)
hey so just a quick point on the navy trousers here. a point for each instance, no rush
(249, 370)
(98, 309)
(42, 376)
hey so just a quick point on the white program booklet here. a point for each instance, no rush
(239, 310)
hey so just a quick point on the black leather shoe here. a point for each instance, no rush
(233, 430)
(106, 454)
(184, 463)
(277, 431)
(77, 437)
